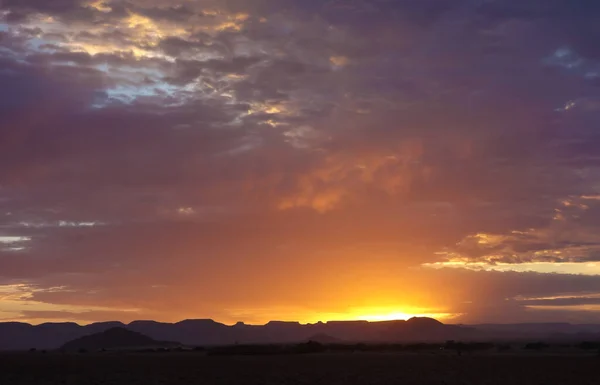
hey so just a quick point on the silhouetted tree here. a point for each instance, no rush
(536, 346)
(310, 347)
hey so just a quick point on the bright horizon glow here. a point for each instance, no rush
(396, 316)
(356, 314)
(374, 318)
(380, 314)
(590, 268)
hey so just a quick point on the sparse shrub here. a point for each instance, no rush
(310, 347)
(587, 345)
(467, 347)
(536, 346)
(503, 347)
(417, 347)
(360, 347)
(458, 347)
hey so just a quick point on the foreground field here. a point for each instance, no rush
(327, 369)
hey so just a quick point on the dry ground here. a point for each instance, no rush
(327, 369)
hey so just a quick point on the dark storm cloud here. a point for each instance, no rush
(58, 6)
(147, 135)
(576, 20)
(73, 10)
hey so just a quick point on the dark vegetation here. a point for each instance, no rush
(316, 347)
(311, 347)
(175, 368)
(536, 346)
(589, 345)
(120, 339)
(89, 361)
(450, 347)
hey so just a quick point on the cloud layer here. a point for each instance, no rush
(289, 159)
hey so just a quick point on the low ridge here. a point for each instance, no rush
(113, 338)
(114, 335)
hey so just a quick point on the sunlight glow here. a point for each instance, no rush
(100, 6)
(339, 61)
(402, 316)
(378, 314)
(591, 268)
(260, 316)
(10, 240)
(18, 299)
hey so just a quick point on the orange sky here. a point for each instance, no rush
(258, 160)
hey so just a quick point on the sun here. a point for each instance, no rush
(401, 315)
(386, 317)
(377, 314)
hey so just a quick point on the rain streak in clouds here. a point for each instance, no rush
(299, 160)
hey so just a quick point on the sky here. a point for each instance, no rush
(305, 160)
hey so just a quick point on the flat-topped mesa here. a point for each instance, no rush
(281, 323)
(200, 321)
(146, 322)
(353, 322)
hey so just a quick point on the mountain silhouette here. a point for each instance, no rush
(206, 332)
(113, 338)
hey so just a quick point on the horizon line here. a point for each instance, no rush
(83, 324)
(212, 320)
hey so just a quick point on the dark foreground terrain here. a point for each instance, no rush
(329, 369)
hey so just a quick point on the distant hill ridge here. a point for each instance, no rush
(113, 338)
(207, 332)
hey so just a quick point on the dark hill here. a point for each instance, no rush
(423, 329)
(424, 322)
(324, 339)
(22, 336)
(114, 338)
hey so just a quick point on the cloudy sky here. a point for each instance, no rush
(249, 160)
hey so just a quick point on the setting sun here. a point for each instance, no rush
(400, 316)
(390, 314)
(373, 314)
